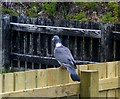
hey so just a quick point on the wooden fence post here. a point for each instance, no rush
(6, 41)
(89, 83)
(0, 43)
(106, 45)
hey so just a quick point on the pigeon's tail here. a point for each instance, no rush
(75, 77)
(73, 73)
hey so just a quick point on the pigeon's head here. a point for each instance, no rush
(56, 39)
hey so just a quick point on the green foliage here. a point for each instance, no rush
(89, 5)
(107, 18)
(68, 17)
(32, 12)
(78, 16)
(7, 11)
(70, 11)
(110, 17)
(116, 8)
(50, 8)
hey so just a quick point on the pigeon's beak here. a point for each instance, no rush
(53, 39)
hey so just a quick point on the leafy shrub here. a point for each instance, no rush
(50, 8)
(78, 16)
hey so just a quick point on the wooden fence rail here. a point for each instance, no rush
(27, 41)
(97, 80)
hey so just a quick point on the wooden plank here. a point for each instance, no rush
(117, 93)
(89, 83)
(41, 78)
(71, 23)
(19, 81)
(116, 35)
(103, 94)
(117, 74)
(56, 30)
(1, 83)
(72, 45)
(108, 84)
(79, 24)
(49, 43)
(65, 40)
(111, 93)
(51, 78)
(56, 22)
(41, 59)
(21, 41)
(14, 40)
(62, 76)
(111, 66)
(43, 44)
(117, 27)
(51, 91)
(79, 48)
(27, 49)
(8, 82)
(117, 52)
(49, 22)
(117, 70)
(87, 49)
(101, 67)
(95, 50)
(30, 77)
(5, 41)
(34, 59)
(63, 23)
(95, 25)
(1, 62)
(35, 44)
(14, 19)
(81, 67)
(106, 46)
(41, 21)
(14, 46)
(22, 47)
(86, 25)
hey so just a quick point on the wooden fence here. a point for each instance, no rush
(27, 41)
(56, 82)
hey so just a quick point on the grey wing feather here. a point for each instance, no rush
(64, 55)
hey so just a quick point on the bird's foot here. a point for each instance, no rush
(62, 67)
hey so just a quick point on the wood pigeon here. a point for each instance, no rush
(65, 58)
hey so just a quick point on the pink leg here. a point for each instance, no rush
(62, 67)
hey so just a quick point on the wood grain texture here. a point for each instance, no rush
(108, 83)
(81, 67)
(8, 82)
(1, 83)
(53, 91)
(101, 67)
(89, 83)
(19, 81)
(30, 77)
(52, 30)
(111, 66)
(41, 78)
(62, 76)
(52, 77)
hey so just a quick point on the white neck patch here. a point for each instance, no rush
(58, 44)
